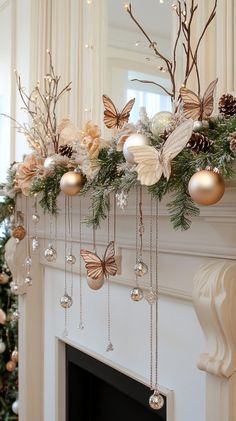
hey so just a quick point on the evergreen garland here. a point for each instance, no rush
(9, 335)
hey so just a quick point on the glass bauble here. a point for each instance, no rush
(66, 301)
(35, 218)
(4, 278)
(50, 253)
(10, 366)
(15, 356)
(160, 121)
(206, 187)
(35, 243)
(70, 259)
(136, 294)
(15, 407)
(156, 401)
(28, 280)
(140, 268)
(72, 182)
(136, 139)
(19, 232)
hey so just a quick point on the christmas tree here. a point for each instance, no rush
(8, 337)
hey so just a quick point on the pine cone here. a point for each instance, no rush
(199, 143)
(66, 150)
(227, 105)
(232, 142)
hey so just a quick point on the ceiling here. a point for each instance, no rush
(155, 17)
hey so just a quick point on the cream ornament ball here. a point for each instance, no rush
(15, 407)
(160, 121)
(95, 284)
(206, 187)
(2, 346)
(136, 139)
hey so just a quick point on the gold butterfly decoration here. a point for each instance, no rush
(152, 163)
(99, 268)
(195, 107)
(112, 117)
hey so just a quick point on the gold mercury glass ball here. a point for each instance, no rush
(206, 187)
(72, 182)
(19, 232)
(10, 366)
(4, 278)
(3, 317)
(136, 139)
(95, 284)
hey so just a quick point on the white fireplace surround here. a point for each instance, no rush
(205, 253)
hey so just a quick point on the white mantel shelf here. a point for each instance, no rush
(183, 257)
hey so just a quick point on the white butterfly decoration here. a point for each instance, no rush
(152, 163)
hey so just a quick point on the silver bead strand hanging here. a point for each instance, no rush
(136, 293)
(81, 323)
(28, 261)
(35, 220)
(110, 346)
(156, 400)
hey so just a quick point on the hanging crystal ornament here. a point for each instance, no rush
(35, 220)
(81, 323)
(140, 268)
(50, 253)
(156, 400)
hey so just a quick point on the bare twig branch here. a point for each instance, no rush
(153, 83)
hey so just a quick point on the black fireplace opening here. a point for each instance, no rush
(98, 392)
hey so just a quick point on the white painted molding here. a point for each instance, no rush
(214, 301)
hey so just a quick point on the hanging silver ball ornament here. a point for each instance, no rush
(66, 301)
(140, 268)
(70, 259)
(72, 182)
(197, 125)
(136, 294)
(28, 262)
(206, 187)
(160, 121)
(95, 284)
(156, 401)
(35, 243)
(15, 407)
(35, 218)
(15, 315)
(50, 162)
(136, 139)
(50, 254)
(14, 287)
(2, 347)
(28, 280)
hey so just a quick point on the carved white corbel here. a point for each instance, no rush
(214, 300)
(15, 255)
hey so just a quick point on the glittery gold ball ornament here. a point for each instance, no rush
(136, 294)
(50, 253)
(15, 356)
(156, 401)
(140, 268)
(3, 317)
(160, 121)
(4, 278)
(72, 182)
(66, 301)
(10, 366)
(95, 284)
(19, 232)
(206, 187)
(136, 139)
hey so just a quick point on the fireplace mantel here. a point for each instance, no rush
(183, 256)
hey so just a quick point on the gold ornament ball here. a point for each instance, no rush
(4, 278)
(19, 232)
(95, 284)
(136, 294)
(206, 187)
(10, 366)
(15, 356)
(3, 317)
(136, 139)
(156, 401)
(160, 121)
(72, 182)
